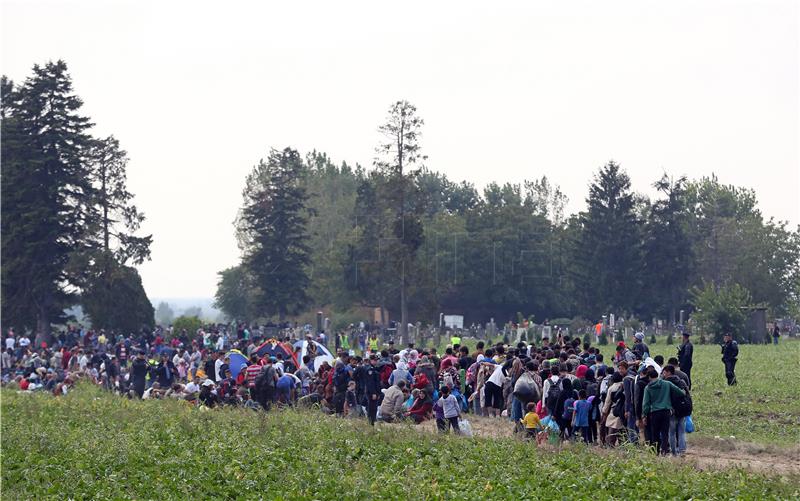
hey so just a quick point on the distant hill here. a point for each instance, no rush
(180, 304)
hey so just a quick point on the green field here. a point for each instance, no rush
(91, 444)
(762, 408)
(94, 445)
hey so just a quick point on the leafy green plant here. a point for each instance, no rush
(670, 340)
(653, 338)
(91, 444)
(190, 324)
(718, 310)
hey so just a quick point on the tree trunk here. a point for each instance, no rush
(42, 328)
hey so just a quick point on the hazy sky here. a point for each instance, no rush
(198, 92)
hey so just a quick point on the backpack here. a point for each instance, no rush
(472, 373)
(569, 406)
(618, 403)
(682, 406)
(341, 378)
(552, 397)
(447, 380)
(265, 379)
(386, 373)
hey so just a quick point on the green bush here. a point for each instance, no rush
(719, 310)
(191, 324)
(618, 336)
(670, 339)
(653, 339)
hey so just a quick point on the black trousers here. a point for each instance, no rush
(688, 372)
(658, 423)
(372, 409)
(730, 366)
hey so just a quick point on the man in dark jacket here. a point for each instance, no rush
(685, 352)
(372, 387)
(165, 373)
(139, 370)
(730, 352)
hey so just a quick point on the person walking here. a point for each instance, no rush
(685, 353)
(657, 409)
(730, 352)
(776, 333)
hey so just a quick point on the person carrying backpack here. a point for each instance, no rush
(681, 409)
(614, 409)
(265, 385)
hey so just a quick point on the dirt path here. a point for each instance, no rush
(705, 453)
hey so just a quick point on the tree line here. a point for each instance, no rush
(315, 233)
(69, 225)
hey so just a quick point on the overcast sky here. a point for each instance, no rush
(197, 93)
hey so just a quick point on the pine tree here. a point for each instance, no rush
(46, 195)
(110, 242)
(271, 228)
(667, 248)
(609, 264)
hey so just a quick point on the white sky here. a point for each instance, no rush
(198, 92)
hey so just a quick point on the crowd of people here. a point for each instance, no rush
(563, 389)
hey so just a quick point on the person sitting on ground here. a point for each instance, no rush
(421, 408)
(392, 406)
(207, 397)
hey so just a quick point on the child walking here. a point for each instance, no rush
(580, 417)
(451, 410)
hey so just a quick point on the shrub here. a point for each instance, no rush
(719, 310)
(191, 324)
(670, 339)
(618, 336)
(652, 339)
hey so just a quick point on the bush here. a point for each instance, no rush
(670, 339)
(652, 339)
(191, 324)
(618, 336)
(587, 339)
(719, 310)
(603, 339)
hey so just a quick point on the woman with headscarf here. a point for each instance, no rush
(612, 422)
(421, 408)
(566, 398)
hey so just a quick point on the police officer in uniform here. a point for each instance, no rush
(730, 350)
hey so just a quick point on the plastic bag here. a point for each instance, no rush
(550, 423)
(689, 424)
(465, 428)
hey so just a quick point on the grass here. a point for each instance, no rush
(90, 444)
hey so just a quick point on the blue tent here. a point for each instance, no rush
(237, 361)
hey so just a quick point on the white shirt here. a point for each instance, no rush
(497, 376)
(10, 342)
(24, 342)
(192, 387)
(83, 362)
(221, 343)
(217, 365)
